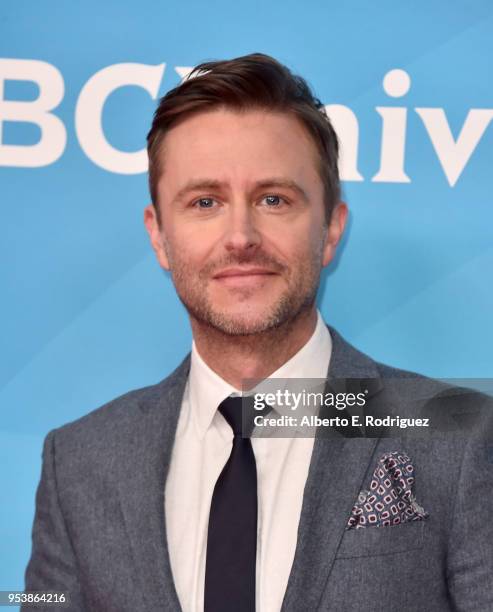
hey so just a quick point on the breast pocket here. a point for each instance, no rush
(372, 541)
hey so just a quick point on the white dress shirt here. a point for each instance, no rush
(202, 447)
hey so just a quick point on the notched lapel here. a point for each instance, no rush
(143, 471)
(337, 470)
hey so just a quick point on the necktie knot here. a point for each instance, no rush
(240, 413)
(232, 409)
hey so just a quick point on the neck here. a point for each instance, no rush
(256, 356)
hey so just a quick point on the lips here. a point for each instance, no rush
(237, 272)
(244, 278)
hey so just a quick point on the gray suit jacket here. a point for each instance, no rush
(99, 529)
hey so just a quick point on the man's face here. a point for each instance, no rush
(243, 228)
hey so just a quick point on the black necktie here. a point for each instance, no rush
(232, 535)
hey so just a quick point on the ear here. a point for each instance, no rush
(156, 235)
(334, 231)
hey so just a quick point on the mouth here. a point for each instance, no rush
(243, 276)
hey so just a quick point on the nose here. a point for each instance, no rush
(241, 231)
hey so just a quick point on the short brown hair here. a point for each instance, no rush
(255, 81)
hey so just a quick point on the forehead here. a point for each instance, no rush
(237, 147)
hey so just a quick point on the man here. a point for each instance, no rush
(155, 501)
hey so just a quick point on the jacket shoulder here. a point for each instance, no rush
(120, 414)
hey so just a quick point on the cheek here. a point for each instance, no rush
(191, 244)
(296, 242)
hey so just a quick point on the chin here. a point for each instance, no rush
(254, 321)
(240, 325)
(242, 318)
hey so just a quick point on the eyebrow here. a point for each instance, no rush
(205, 184)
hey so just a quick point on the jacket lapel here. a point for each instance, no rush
(337, 470)
(143, 471)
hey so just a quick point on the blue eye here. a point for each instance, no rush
(204, 203)
(273, 201)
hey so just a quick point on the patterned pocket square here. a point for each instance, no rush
(390, 500)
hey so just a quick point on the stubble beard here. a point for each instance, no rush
(297, 299)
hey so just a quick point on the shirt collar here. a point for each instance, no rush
(207, 389)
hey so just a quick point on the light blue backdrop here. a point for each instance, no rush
(87, 314)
